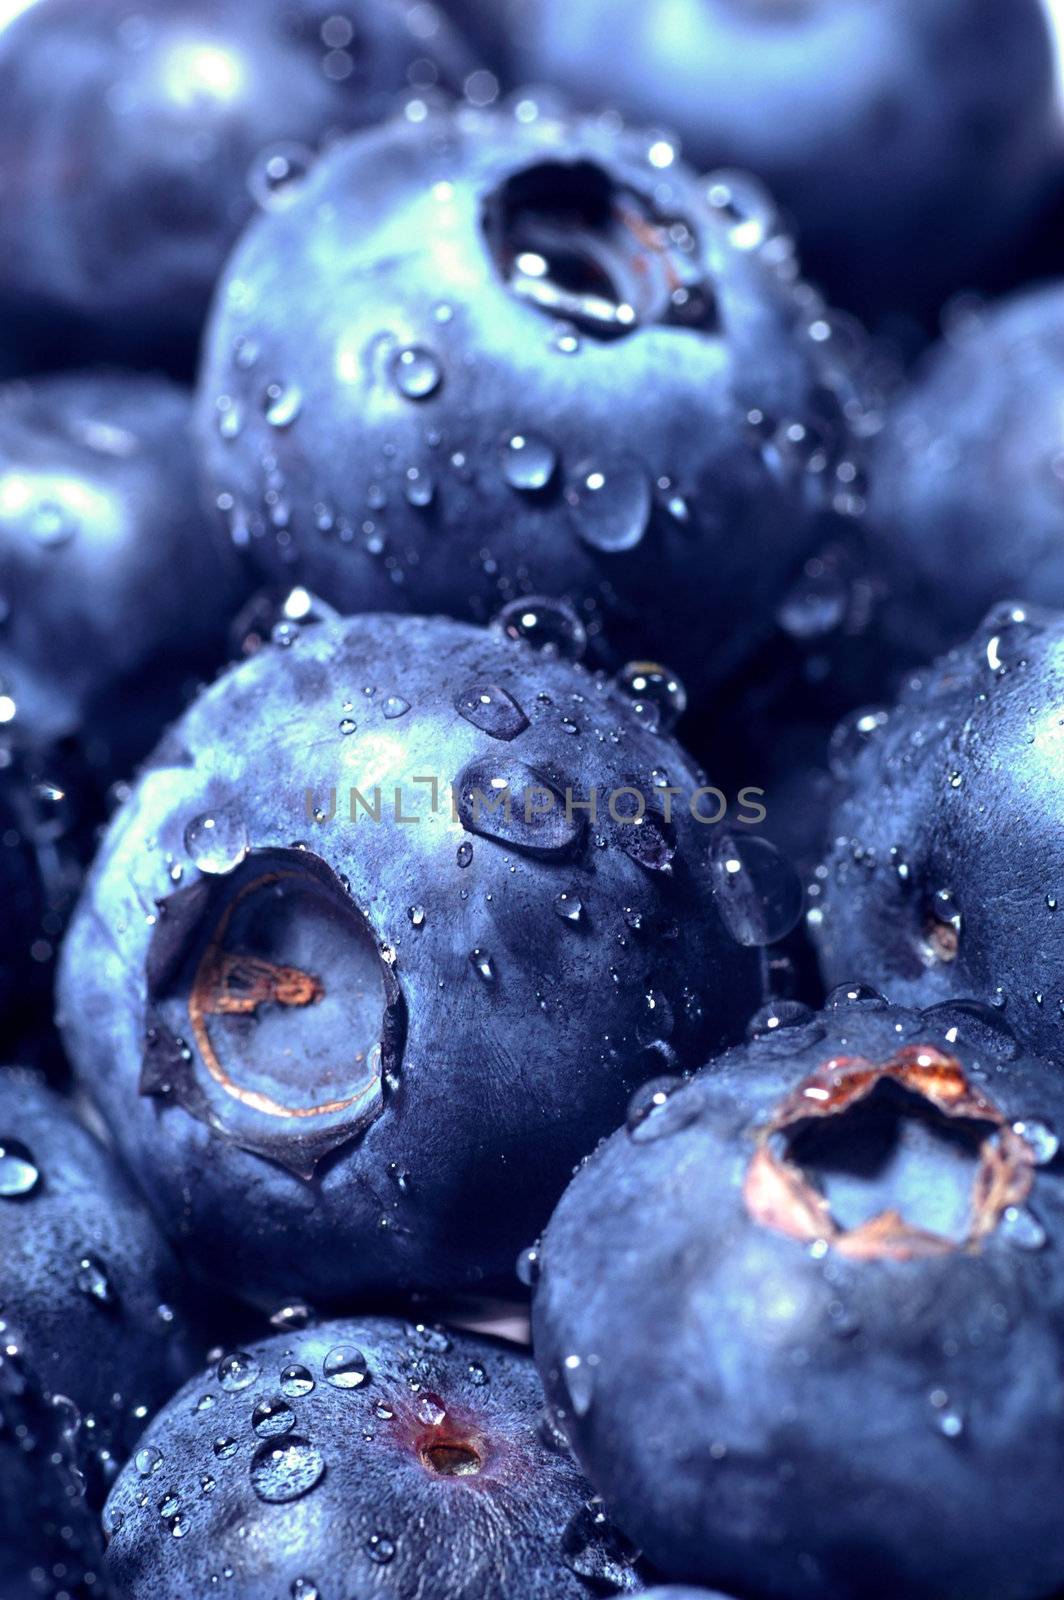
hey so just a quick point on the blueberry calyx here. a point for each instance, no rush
(251, 977)
(781, 1197)
(575, 243)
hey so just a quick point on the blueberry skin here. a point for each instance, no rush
(943, 871)
(84, 1278)
(965, 479)
(393, 413)
(116, 595)
(422, 1465)
(834, 105)
(137, 127)
(816, 1423)
(465, 992)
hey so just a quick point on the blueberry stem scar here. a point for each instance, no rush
(780, 1197)
(232, 984)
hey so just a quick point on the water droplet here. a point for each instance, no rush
(347, 726)
(19, 1173)
(417, 372)
(851, 736)
(648, 840)
(224, 1446)
(611, 504)
(548, 625)
(276, 174)
(593, 1548)
(528, 1267)
(569, 906)
(491, 709)
(285, 1471)
(380, 1548)
(93, 1280)
(816, 605)
(283, 404)
(431, 1410)
(657, 694)
(528, 462)
(345, 1367)
(464, 853)
(273, 1417)
(216, 841)
(296, 1381)
(478, 1377)
(148, 1460)
(1044, 1143)
(1022, 1228)
(304, 1589)
(648, 1109)
(507, 801)
(482, 965)
(758, 892)
(579, 1376)
(237, 1370)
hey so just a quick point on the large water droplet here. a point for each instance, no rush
(237, 1370)
(285, 1471)
(19, 1173)
(528, 462)
(512, 803)
(579, 1378)
(611, 504)
(217, 841)
(296, 1381)
(548, 625)
(657, 694)
(492, 709)
(345, 1367)
(273, 1417)
(649, 840)
(417, 372)
(283, 404)
(758, 892)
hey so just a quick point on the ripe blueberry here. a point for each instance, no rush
(92, 1336)
(366, 1456)
(910, 140)
(358, 977)
(798, 1319)
(943, 875)
(113, 594)
(497, 357)
(146, 131)
(966, 477)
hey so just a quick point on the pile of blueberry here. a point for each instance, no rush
(531, 800)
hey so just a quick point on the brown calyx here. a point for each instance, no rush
(779, 1196)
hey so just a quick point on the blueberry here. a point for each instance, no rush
(361, 1456)
(801, 1319)
(113, 594)
(498, 357)
(968, 476)
(92, 1332)
(147, 130)
(943, 876)
(397, 978)
(911, 140)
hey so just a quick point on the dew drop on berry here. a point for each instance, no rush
(610, 504)
(657, 695)
(528, 462)
(548, 625)
(417, 372)
(216, 841)
(492, 709)
(758, 893)
(345, 1367)
(285, 1471)
(19, 1173)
